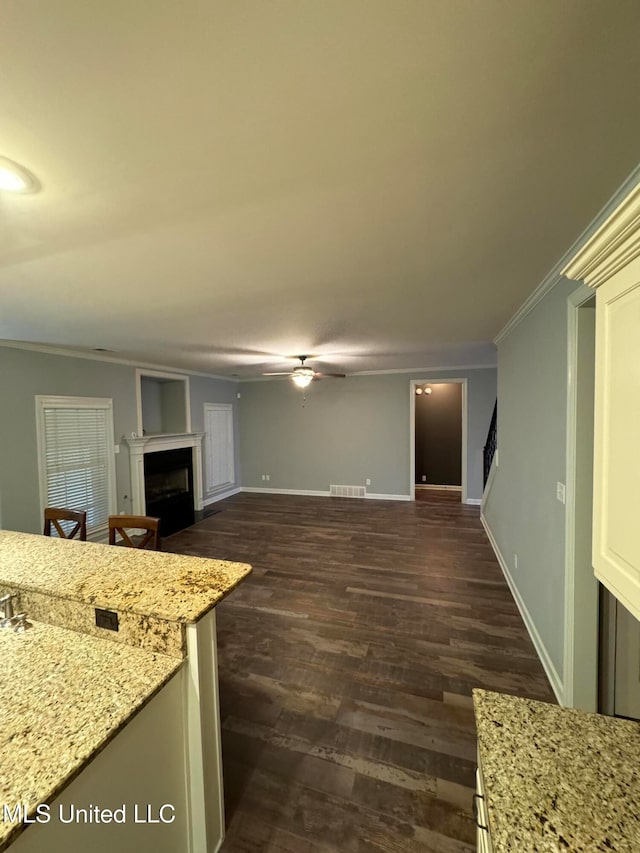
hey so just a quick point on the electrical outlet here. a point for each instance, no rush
(116, 448)
(560, 492)
(515, 561)
(238, 395)
(107, 619)
(367, 482)
(424, 478)
(268, 476)
(264, 477)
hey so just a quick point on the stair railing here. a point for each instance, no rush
(491, 443)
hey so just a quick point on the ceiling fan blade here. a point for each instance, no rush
(329, 375)
(286, 373)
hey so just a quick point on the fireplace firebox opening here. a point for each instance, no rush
(168, 481)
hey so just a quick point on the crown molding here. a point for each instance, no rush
(447, 368)
(615, 244)
(555, 275)
(90, 356)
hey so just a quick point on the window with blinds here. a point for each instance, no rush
(76, 455)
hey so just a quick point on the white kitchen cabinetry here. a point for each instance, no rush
(162, 772)
(610, 263)
(139, 775)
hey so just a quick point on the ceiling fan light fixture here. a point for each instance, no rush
(302, 379)
(15, 178)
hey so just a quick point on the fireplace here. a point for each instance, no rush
(168, 486)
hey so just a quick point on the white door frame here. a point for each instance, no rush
(584, 696)
(412, 431)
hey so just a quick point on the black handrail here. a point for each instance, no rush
(492, 443)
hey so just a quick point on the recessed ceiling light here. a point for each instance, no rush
(16, 179)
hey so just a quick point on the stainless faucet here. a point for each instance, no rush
(6, 610)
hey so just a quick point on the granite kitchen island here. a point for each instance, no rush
(121, 719)
(555, 780)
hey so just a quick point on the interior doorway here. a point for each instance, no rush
(438, 428)
(581, 633)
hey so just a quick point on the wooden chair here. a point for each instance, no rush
(118, 523)
(54, 515)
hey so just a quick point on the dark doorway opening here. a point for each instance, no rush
(438, 437)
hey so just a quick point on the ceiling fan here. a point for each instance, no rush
(303, 375)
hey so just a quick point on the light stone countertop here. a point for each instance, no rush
(558, 780)
(63, 697)
(152, 583)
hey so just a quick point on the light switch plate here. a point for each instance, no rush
(560, 492)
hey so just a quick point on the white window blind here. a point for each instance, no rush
(76, 456)
(219, 463)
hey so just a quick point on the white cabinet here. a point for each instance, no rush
(610, 262)
(144, 765)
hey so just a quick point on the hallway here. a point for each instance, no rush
(347, 662)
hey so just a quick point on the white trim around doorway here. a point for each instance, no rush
(413, 383)
(584, 696)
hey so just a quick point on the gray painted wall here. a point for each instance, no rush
(24, 374)
(347, 430)
(521, 508)
(172, 407)
(151, 409)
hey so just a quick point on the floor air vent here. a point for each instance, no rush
(347, 491)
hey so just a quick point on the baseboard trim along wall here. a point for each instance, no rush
(261, 491)
(388, 497)
(319, 494)
(474, 501)
(438, 488)
(536, 639)
(220, 496)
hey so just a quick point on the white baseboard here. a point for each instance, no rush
(438, 488)
(319, 494)
(474, 501)
(388, 497)
(536, 639)
(220, 496)
(261, 491)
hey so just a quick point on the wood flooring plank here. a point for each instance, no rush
(347, 661)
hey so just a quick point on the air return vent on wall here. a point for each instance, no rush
(347, 491)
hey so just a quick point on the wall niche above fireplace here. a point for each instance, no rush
(163, 403)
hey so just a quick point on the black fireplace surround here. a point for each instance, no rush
(168, 485)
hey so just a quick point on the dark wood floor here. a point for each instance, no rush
(347, 661)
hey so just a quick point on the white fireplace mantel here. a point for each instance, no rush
(139, 445)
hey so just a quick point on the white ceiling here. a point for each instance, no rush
(380, 182)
